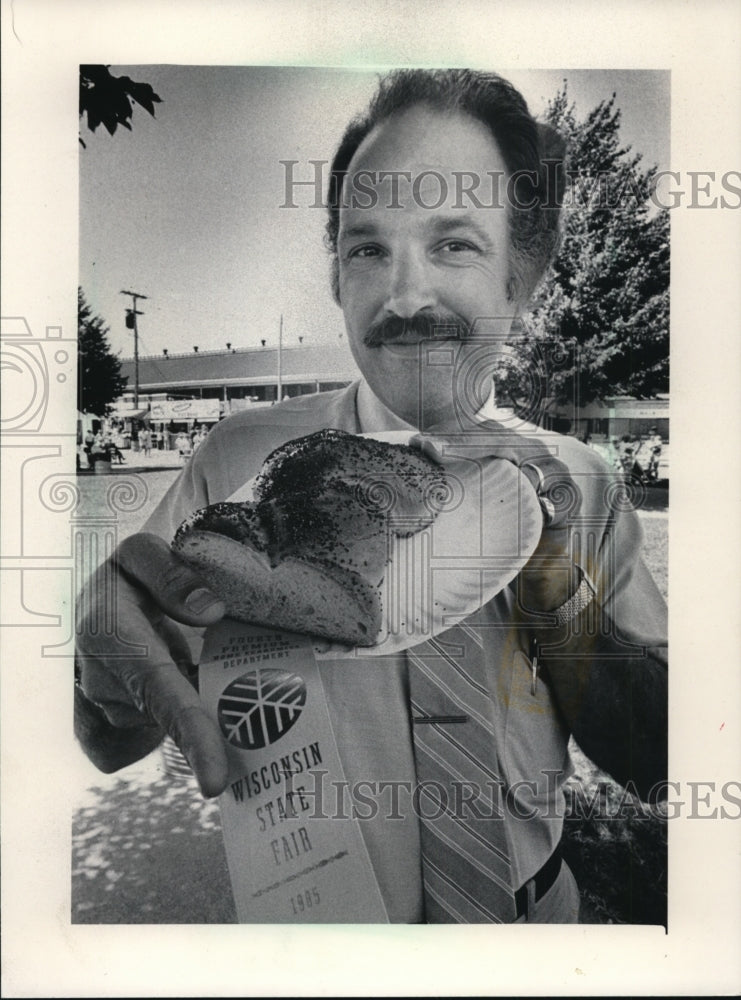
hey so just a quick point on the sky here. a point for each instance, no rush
(186, 208)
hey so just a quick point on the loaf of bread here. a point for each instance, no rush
(393, 480)
(309, 553)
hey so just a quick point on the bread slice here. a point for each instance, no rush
(298, 595)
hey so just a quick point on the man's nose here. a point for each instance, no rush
(410, 286)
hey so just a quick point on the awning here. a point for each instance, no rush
(123, 414)
(624, 407)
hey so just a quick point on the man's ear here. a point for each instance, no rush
(518, 296)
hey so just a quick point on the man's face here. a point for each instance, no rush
(435, 253)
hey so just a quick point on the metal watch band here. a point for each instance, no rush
(577, 602)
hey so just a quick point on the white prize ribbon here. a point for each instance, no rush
(290, 860)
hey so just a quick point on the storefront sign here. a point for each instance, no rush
(186, 409)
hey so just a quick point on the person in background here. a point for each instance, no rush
(199, 438)
(88, 446)
(98, 450)
(614, 454)
(183, 445)
(112, 450)
(654, 445)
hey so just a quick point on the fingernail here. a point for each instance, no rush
(200, 600)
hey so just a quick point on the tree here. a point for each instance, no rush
(99, 371)
(606, 298)
(106, 99)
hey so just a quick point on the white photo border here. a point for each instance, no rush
(43, 954)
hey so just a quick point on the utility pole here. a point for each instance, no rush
(280, 360)
(131, 315)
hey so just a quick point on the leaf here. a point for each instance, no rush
(104, 98)
(143, 94)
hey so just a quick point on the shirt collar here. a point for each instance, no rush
(373, 415)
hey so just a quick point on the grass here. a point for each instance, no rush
(149, 854)
(617, 852)
(619, 858)
(655, 551)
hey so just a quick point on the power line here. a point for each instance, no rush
(131, 323)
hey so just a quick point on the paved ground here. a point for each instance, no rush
(148, 849)
(137, 461)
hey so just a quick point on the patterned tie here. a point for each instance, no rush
(465, 860)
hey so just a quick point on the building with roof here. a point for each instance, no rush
(180, 391)
(614, 416)
(204, 386)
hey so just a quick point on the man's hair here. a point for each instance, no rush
(525, 145)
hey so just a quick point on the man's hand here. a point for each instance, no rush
(548, 580)
(134, 661)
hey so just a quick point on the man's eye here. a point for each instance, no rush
(458, 246)
(364, 252)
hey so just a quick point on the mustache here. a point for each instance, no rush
(413, 329)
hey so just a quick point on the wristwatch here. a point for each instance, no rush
(581, 599)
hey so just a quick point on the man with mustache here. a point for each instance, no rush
(424, 270)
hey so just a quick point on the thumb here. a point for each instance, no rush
(148, 561)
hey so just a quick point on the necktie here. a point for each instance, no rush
(465, 860)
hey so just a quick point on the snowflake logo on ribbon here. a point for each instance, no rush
(259, 707)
